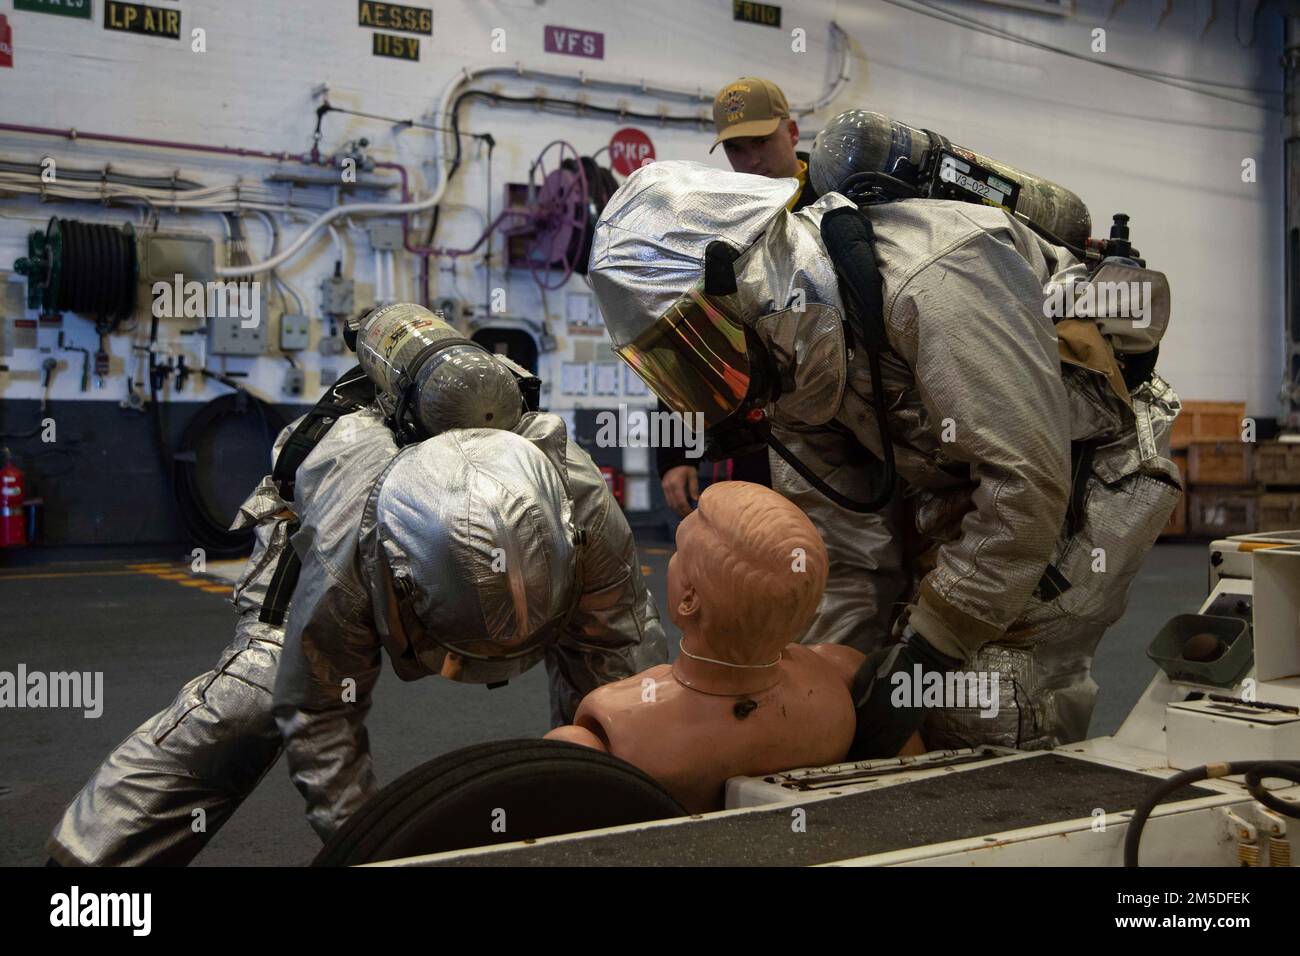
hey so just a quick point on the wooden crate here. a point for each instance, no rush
(1219, 512)
(1220, 463)
(1179, 456)
(1277, 463)
(1177, 525)
(1279, 511)
(1207, 421)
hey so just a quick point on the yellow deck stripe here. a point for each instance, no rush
(68, 574)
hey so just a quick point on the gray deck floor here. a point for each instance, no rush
(150, 635)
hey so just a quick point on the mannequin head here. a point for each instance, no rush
(748, 573)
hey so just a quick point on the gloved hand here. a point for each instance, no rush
(884, 728)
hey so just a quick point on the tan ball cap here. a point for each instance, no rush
(748, 107)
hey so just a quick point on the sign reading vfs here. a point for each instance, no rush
(139, 18)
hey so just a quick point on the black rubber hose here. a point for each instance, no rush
(841, 499)
(113, 304)
(118, 247)
(100, 275)
(63, 291)
(69, 277)
(1282, 771)
(97, 272)
(1255, 771)
(849, 240)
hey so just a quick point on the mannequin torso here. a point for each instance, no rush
(691, 742)
(741, 699)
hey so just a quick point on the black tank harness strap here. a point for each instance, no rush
(351, 392)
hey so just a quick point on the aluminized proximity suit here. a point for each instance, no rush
(986, 396)
(211, 746)
(359, 593)
(207, 750)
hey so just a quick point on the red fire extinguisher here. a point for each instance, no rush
(13, 490)
(614, 478)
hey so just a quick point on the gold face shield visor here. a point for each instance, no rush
(695, 357)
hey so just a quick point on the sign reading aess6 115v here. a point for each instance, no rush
(401, 48)
(395, 16)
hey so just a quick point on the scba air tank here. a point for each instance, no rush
(859, 141)
(426, 371)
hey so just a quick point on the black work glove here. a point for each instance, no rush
(883, 728)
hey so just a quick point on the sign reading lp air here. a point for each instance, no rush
(6, 42)
(629, 150)
(140, 18)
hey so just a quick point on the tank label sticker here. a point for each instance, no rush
(960, 177)
(764, 14)
(385, 342)
(397, 47)
(6, 42)
(395, 16)
(141, 18)
(63, 8)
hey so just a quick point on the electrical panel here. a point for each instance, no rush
(294, 382)
(164, 255)
(20, 334)
(228, 336)
(178, 261)
(13, 310)
(338, 295)
(295, 332)
(332, 345)
(580, 312)
(234, 331)
(13, 298)
(385, 236)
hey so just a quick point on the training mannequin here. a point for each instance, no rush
(741, 699)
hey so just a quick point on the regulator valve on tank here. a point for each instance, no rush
(870, 158)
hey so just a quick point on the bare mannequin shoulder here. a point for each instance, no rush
(845, 660)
